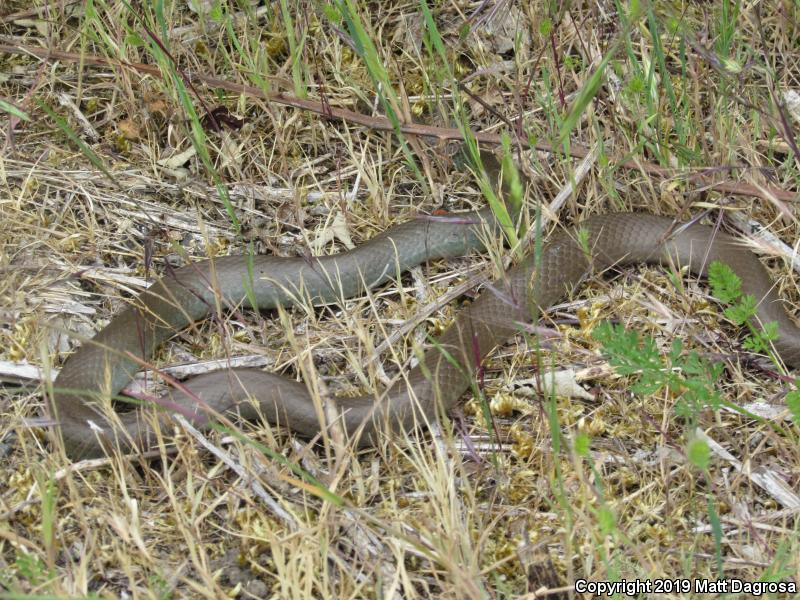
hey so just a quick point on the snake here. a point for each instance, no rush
(91, 426)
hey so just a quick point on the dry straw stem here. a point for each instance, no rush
(693, 113)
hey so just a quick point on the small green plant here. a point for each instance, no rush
(793, 403)
(582, 444)
(160, 586)
(741, 309)
(31, 568)
(685, 374)
(699, 453)
(727, 288)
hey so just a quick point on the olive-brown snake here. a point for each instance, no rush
(105, 366)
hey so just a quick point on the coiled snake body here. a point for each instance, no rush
(106, 365)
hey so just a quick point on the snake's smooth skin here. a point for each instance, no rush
(102, 367)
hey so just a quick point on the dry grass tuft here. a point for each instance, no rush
(105, 166)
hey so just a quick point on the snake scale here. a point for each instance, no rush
(102, 367)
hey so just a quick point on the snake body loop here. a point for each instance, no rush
(104, 366)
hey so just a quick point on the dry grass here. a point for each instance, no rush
(456, 514)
